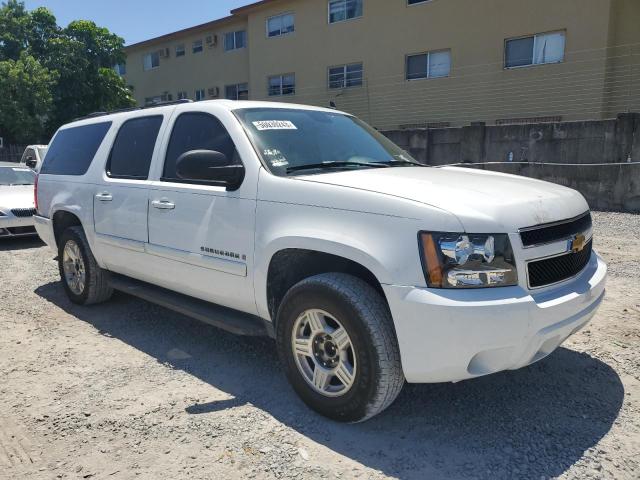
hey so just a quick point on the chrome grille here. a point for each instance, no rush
(24, 212)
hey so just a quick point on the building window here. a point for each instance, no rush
(180, 51)
(237, 92)
(429, 65)
(121, 69)
(151, 61)
(282, 85)
(235, 40)
(197, 46)
(345, 76)
(341, 10)
(182, 95)
(535, 50)
(281, 25)
(200, 95)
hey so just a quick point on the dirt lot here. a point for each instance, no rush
(128, 389)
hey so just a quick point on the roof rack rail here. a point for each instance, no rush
(131, 109)
(169, 102)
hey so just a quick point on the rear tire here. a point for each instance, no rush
(346, 378)
(84, 281)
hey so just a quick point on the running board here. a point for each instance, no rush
(233, 321)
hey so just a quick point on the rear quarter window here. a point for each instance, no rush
(73, 149)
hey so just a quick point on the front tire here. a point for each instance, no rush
(337, 343)
(84, 281)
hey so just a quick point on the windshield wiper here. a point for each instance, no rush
(327, 165)
(395, 163)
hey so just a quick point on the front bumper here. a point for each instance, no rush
(453, 335)
(12, 226)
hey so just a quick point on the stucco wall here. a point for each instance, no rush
(213, 67)
(596, 79)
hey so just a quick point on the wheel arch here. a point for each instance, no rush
(290, 265)
(63, 219)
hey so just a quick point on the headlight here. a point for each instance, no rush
(466, 260)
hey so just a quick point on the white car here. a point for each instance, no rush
(33, 156)
(16, 200)
(306, 224)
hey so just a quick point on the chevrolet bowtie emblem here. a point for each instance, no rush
(577, 244)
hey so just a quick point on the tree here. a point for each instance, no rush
(84, 56)
(42, 29)
(78, 61)
(25, 99)
(14, 20)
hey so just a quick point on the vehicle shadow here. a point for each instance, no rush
(21, 243)
(531, 423)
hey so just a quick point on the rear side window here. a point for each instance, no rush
(73, 149)
(196, 131)
(133, 148)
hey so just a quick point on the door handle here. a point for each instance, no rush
(104, 197)
(163, 204)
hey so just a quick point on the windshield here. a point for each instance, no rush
(293, 141)
(16, 176)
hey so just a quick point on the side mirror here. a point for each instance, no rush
(31, 162)
(209, 167)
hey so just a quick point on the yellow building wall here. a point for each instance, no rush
(213, 67)
(622, 93)
(479, 88)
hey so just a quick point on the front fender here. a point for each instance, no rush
(386, 246)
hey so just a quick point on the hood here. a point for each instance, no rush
(484, 202)
(19, 196)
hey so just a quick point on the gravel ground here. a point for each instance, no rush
(128, 389)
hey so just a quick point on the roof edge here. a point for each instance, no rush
(183, 32)
(244, 9)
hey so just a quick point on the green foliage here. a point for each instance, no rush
(74, 63)
(14, 21)
(25, 97)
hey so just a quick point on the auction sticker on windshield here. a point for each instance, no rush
(274, 125)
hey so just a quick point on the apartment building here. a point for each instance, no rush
(402, 63)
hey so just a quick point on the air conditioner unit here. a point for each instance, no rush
(214, 92)
(164, 53)
(212, 40)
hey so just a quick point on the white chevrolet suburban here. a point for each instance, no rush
(307, 225)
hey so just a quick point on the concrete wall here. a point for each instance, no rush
(568, 151)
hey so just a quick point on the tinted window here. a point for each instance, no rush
(29, 152)
(519, 52)
(73, 149)
(132, 151)
(196, 131)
